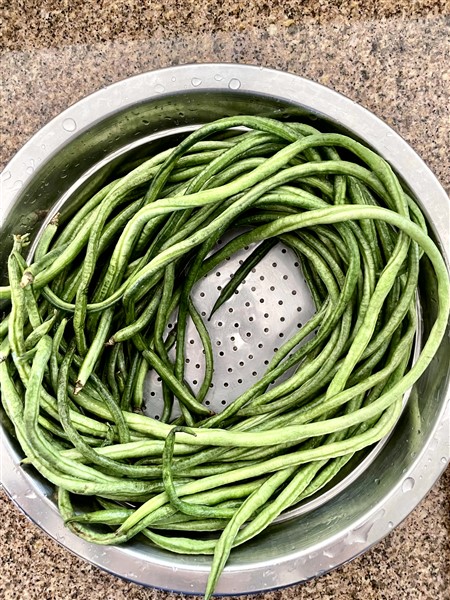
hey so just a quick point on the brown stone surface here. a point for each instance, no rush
(392, 57)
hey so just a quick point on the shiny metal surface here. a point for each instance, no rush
(156, 108)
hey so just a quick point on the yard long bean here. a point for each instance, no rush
(108, 298)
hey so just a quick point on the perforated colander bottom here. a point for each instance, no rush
(268, 307)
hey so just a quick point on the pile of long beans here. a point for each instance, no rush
(88, 320)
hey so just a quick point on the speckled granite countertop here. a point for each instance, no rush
(393, 59)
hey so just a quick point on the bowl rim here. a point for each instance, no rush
(300, 92)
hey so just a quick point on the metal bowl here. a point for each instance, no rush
(72, 155)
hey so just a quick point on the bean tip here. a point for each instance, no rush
(183, 429)
(79, 385)
(22, 238)
(55, 220)
(27, 279)
(110, 342)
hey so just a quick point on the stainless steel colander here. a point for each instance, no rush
(155, 110)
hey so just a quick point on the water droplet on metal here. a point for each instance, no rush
(390, 524)
(218, 77)
(234, 84)
(159, 89)
(408, 484)
(18, 184)
(31, 494)
(360, 535)
(173, 79)
(196, 81)
(6, 175)
(69, 125)
(443, 460)
(30, 170)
